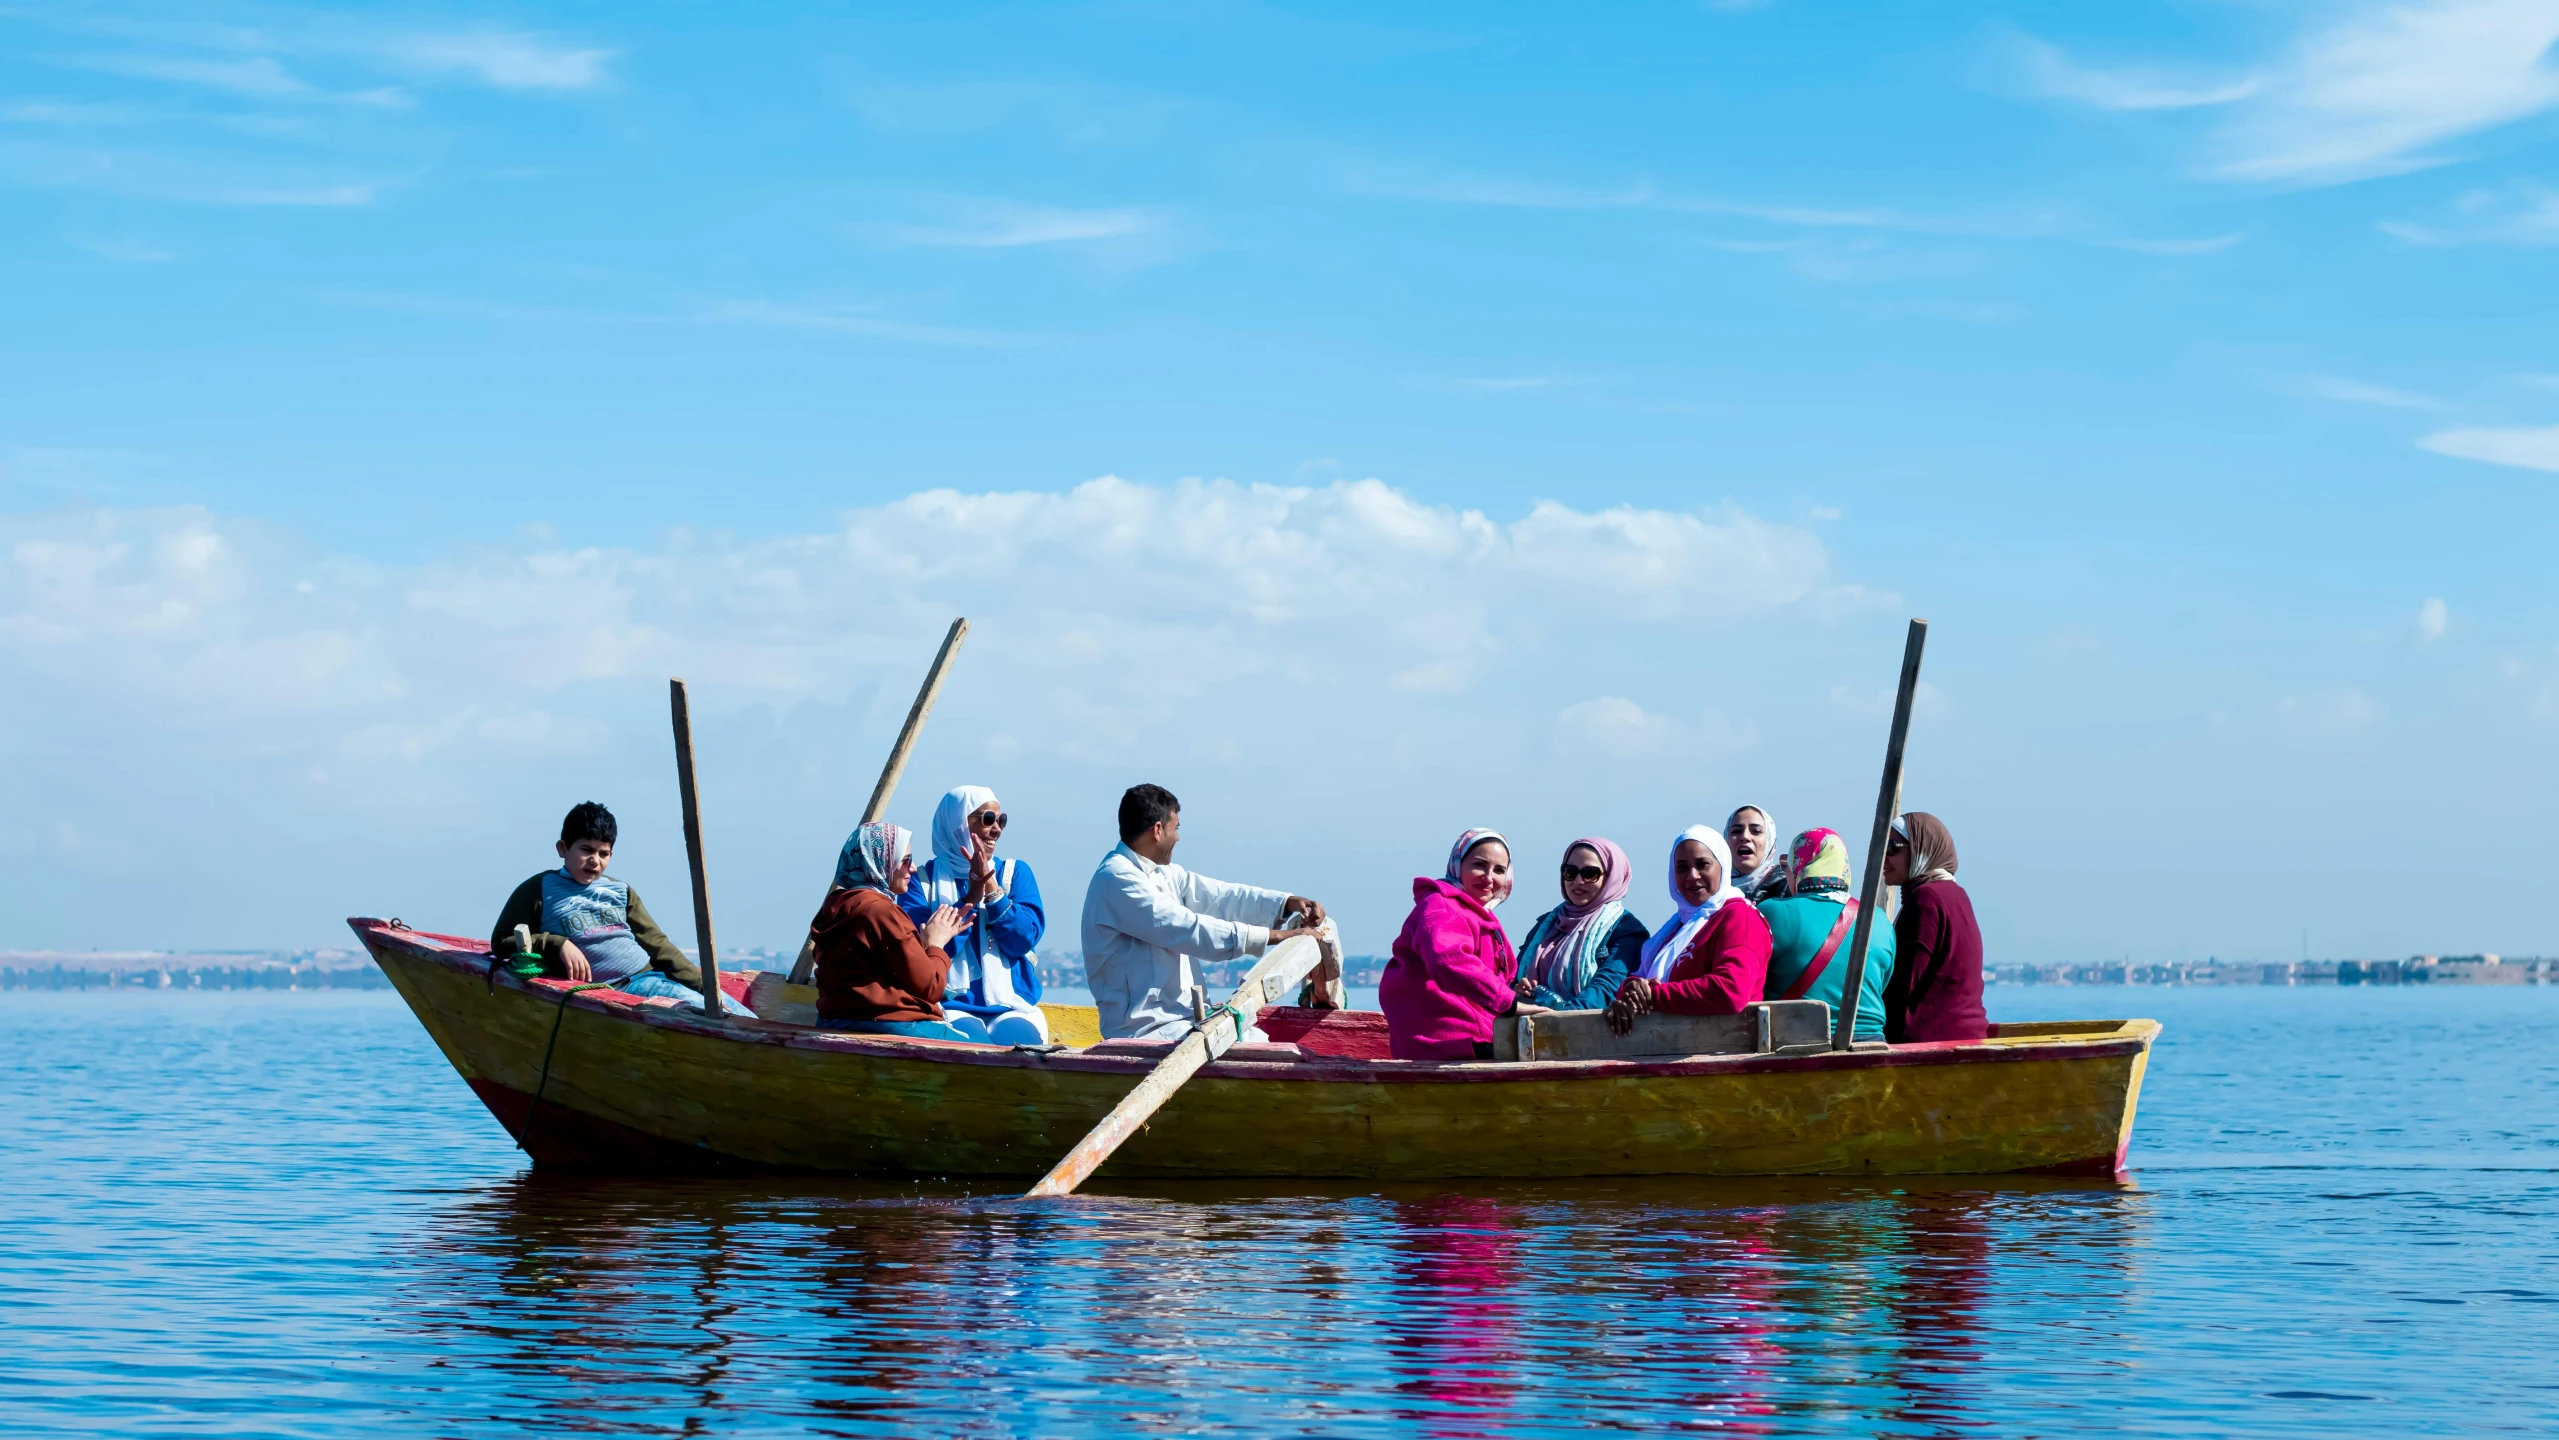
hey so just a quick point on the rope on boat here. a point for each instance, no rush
(559, 1013)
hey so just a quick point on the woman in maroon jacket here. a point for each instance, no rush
(1935, 992)
(1709, 959)
(876, 973)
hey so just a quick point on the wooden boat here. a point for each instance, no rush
(602, 1079)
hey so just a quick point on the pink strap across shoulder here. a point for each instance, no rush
(1821, 959)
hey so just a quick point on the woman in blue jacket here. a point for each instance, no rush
(1578, 953)
(994, 984)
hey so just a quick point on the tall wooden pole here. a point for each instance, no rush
(915, 714)
(1887, 803)
(804, 969)
(713, 1003)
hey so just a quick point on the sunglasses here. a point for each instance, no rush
(991, 819)
(1585, 872)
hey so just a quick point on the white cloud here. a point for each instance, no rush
(2199, 245)
(2051, 73)
(2520, 214)
(257, 75)
(2524, 447)
(853, 319)
(2329, 712)
(506, 60)
(2378, 89)
(1112, 598)
(1617, 727)
(2433, 618)
(2358, 392)
(993, 225)
(1620, 729)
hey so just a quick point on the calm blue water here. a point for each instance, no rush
(281, 1214)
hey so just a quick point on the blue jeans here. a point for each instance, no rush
(912, 1029)
(1002, 1027)
(657, 985)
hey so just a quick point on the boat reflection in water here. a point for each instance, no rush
(1747, 1307)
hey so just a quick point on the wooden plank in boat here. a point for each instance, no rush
(773, 998)
(1774, 1027)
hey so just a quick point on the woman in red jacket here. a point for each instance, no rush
(1709, 959)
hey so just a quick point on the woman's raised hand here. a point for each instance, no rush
(946, 922)
(981, 868)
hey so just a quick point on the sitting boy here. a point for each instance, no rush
(589, 926)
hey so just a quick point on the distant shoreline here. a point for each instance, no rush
(347, 970)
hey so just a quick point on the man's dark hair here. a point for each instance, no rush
(1143, 808)
(588, 821)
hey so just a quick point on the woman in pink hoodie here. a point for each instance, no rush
(1453, 967)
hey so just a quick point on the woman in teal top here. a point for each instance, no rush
(1811, 917)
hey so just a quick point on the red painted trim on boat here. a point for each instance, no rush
(471, 957)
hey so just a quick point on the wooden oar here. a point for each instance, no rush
(713, 1003)
(805, 967)
(1843, 1032)
(1288, 963)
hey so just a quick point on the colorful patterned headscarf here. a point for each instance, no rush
(870, 858)
(1564, 949)
(1465, 845)
(1932, 848)
(1817, 864)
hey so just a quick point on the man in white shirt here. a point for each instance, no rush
(1146, 919)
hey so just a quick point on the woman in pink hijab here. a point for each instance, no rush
(1452, 969)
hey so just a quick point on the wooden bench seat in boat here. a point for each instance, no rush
(1773, 1027)
(1776, 1027)
(773, 998)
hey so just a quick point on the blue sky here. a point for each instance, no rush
(1369, 421)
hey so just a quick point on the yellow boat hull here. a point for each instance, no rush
(631, 1085)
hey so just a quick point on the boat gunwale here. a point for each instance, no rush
(472, 958)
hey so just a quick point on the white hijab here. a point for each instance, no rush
(972, 976)
(1769, 869)
(1668, 943)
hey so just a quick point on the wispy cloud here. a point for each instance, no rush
(130, 252)
(1443, 187)
(1005, 225)
(1421, 184)
(2051, 73)
(846, 319)
(2376, 90)
(506, 60)
(2358, 392)
(248, 59)
(2524, 213)
(2434, 618)
(187, 175)
(2525, 447)
(2201, 245)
